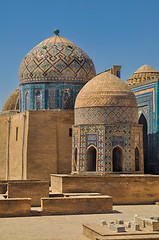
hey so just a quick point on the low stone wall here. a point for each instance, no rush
(124, 188)
(76, 205)
(29, 189)
(15, 207)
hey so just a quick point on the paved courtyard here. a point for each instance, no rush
(63, 227)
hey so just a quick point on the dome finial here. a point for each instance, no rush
(56, 31)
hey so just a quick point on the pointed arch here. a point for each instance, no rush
(26, 100)
(143, 121)
(137, 159)
(66, 99)
(117, 156)
(91, 158)
(38, 100)
(75, 160)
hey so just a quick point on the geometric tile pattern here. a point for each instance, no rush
(100, 131)
(56, 59)
(105, 115)
(104, 145)
(125, 132)
(148, 100)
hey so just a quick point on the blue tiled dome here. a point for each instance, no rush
(56, 59)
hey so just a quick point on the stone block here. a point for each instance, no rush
(116, 227)
(152, 225)
(103, 223)
(135, 226)
(76, 205)
(15, 207)
(139, 220)
(29, 189)
(128, 224)
(119, 221)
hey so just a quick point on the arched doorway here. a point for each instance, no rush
(91, 159)
(117, 159)
(137, 167)
(142, 120)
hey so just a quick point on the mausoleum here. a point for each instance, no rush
(106, 136)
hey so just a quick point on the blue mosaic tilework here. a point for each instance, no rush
(100, 131)
(45, 87)
(56, 59)
(103, 144)
(125, 132)
(147, 99)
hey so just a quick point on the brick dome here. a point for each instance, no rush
(12, 103)
(105, 99)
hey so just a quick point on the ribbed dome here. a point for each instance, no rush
(12, 103)
(56, 59)
(143, 74)
(105, 99)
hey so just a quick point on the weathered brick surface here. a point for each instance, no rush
(46, 147)
(29, 189)
(15, 207)
(75, 205)
(125, 189)
(3, 144)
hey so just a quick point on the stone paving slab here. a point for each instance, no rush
(66, 227)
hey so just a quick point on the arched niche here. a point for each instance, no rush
(137, 162)
(75, 160)
(66, 99)
(117, 159)
(38, 98)
(91, 158)
(26, 101)
(143, 121)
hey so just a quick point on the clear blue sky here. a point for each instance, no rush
(124, 32)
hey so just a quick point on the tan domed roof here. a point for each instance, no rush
(56, 59)
(146, 68)
(12, 103)
(105, 90)
(143, 74)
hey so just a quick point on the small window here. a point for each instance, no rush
(118, 74)
(70, 132)
(16, 133)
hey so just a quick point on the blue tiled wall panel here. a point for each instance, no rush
(74, 88)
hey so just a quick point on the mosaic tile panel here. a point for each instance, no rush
(57, 91)
(99, 131)
(123, 131)
(103, 139)
(105, 115)
(147, 99)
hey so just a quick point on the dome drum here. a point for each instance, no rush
(48, 96)
(106, 115)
